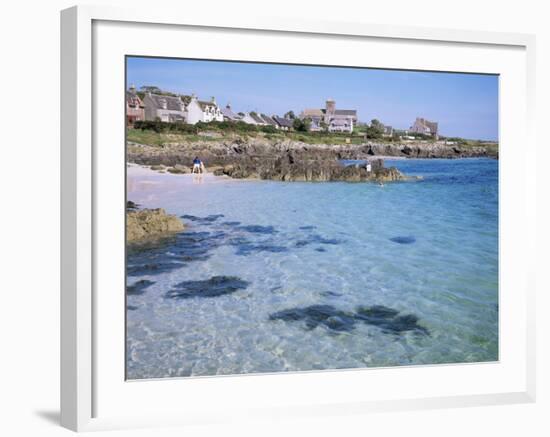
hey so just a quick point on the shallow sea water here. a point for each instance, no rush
(273, 276)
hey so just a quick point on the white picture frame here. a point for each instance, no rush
(87, 378)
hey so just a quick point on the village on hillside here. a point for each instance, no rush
(152, 104)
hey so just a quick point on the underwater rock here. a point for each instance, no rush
(139, 287)
(246, 248)
(403, 239)
(316, 239)
(213, 287)
(257, 229)
(316, 315)
(152, 268)
(231, 223)
(208, 219)
(387, 319)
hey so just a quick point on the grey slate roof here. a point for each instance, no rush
(339, 122)
(258, 119)
(205, 105)
(269, 120)
(172, 103)
(228, 113)
(283, 122)
(349, 112)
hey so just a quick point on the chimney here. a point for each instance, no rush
(213, 100)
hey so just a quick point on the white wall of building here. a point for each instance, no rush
(196, 113)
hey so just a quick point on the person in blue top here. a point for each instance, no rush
(197, 165)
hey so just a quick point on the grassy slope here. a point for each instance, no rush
(153, 138)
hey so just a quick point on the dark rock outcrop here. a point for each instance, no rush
(289, 169)
(293, 160)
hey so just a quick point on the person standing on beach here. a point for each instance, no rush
(197, 164)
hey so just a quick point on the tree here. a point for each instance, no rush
(375, 130)
(290, 114)
(151, 89)
(300, 125)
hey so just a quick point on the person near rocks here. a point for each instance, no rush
(197, 165)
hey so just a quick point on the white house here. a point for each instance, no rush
(198, 110)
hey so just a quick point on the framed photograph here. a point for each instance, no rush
(266, 219)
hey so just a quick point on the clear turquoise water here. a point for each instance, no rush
(427, 249)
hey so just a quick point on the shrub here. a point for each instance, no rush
(268, 129)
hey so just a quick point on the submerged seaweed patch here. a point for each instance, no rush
(329, 293)
(248, 248)
(153, 268)
(316, 315)
(231, 223)
(403, 239)
(139, 287)
(258, 229)
(387, 319)
(205, 220)
(213, 287)
(173, 253)
(316, 239)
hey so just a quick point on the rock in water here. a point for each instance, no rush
(147, 223)
(214, 287)
(403, 239)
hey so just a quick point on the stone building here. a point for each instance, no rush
(426, 127)
(164, 108)
(341, 120)
(135, 109)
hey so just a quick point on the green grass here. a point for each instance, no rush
(153, 138)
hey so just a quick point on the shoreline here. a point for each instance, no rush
(258, 158)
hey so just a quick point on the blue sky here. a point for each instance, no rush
(465, 105)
